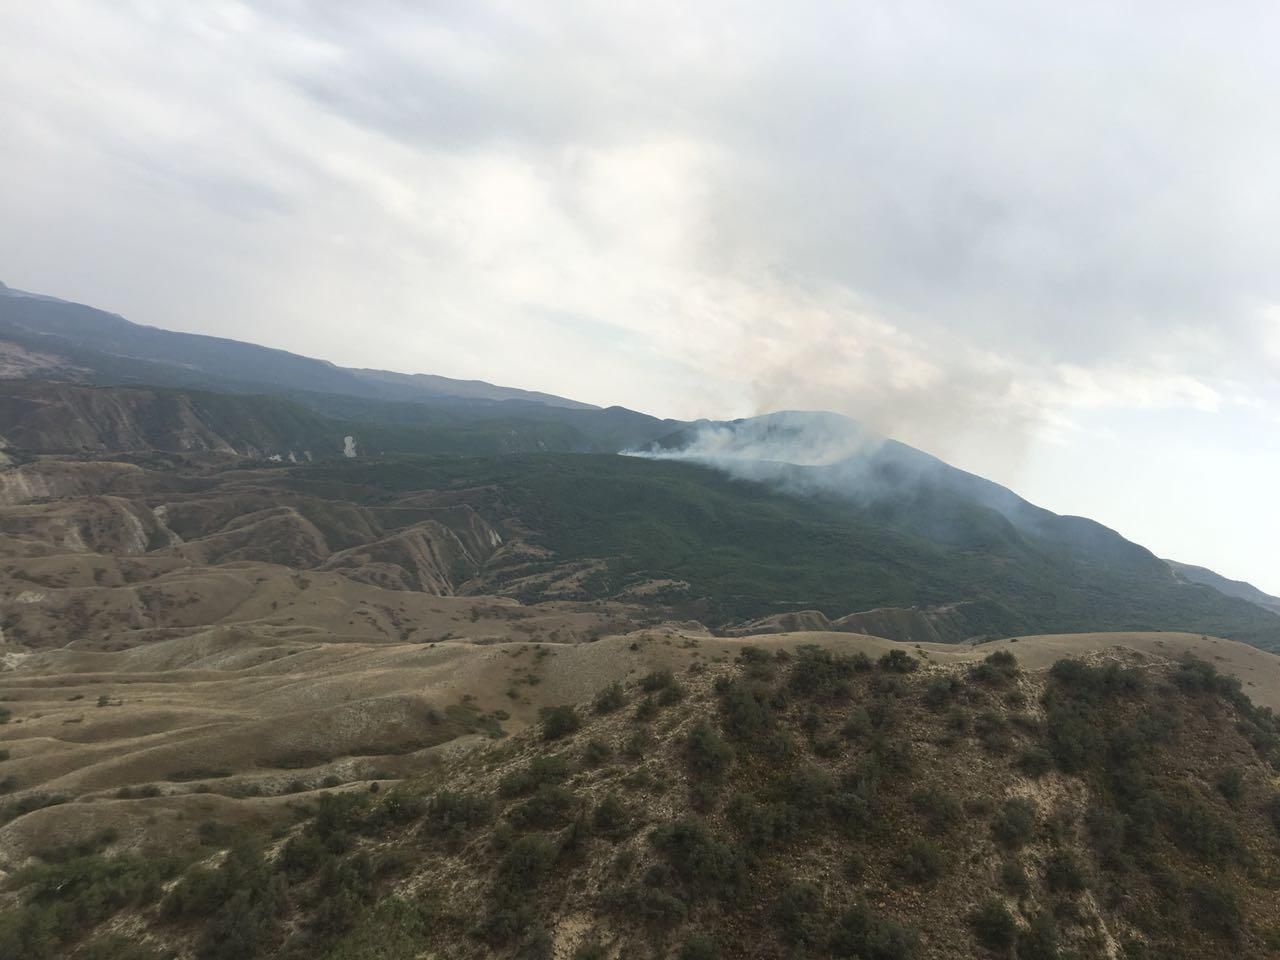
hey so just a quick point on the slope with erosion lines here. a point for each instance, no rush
(745, 549)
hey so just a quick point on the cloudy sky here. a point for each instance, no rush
(1039, 240)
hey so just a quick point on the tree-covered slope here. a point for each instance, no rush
(743, 549)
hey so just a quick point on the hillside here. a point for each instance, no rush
(800, 800)
(728, 550)
(1231, 588)
(976, 557)
(677, 539)
(108, 348)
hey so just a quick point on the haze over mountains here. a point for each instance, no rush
(909, 531)
(393, 664)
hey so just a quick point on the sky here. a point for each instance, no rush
(1037, 240)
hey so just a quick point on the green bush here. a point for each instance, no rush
(524, 866)
(1215, 910)
(797, 913)
(707, 866)
(596, 753)
(1035, 762)
(610, 699)
(1230, 784)
(558, 722)
(993, 926)
(707, 755)
(670, 695)
(61, 901)
(898, 661)
(699, 946)
(762, 825)
(451, 814)
(818, 674)
(1197, 828)
(920, 862)
(540, 770)
(858, 725)
(1063, 873)
(550, 806)
(747, 712)
(864, 935)
(1074, 741)
(997, 669)
(1015, 823)
(1075, 680)
(657, 680)
(940, 811)
(1040, 940)
(1013, 878)
(610, 817)
(941, 693)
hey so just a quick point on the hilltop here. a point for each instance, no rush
(794, 800)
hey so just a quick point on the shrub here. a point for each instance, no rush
(818, 674)
(550, 806)
(1064, 874)
(706, 754)
(637, 745)
(1074, 742)
(797, 912)
(707, 866)
(1197, 829)
(699, 946)
(920, 862)
(540, 770)
(746, 712)
(993, 926)
(450, 814)
(670, 695)
(993, 732)
(657, 680)
(898, 661)
(303, 855)
(610, 699)
(610, 817)
(997, 669)
(646, 709)
(1014, 878)
(1035, 762)
(1215, 910)
(940, 810)
(940, 693)
(558, 722)
(863, 934)
(762, 825)
(1040, 940)
(1076, 680)
(1230, 784)
(524, 866)
(595, 753)
(1272, 810)
(858, 724)
(1015, 823)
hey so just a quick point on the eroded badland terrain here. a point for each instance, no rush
(363, 710)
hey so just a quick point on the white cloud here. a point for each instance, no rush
(980, 229)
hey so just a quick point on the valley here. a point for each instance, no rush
(428, 669)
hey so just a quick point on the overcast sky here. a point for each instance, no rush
(1039, 240)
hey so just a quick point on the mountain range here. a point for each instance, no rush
(789, 515)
